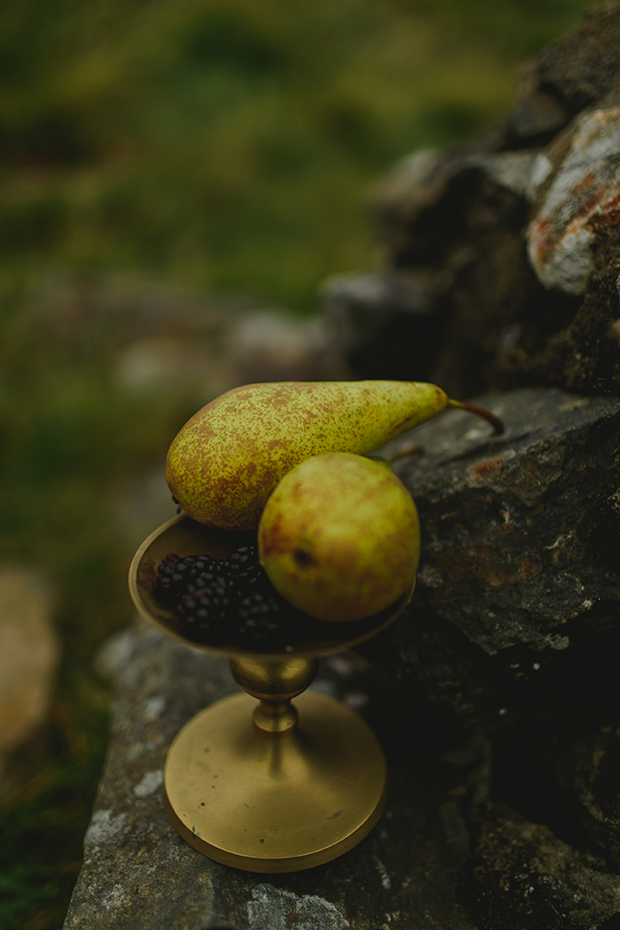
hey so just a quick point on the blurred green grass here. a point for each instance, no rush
(227, 144)
(224, 145)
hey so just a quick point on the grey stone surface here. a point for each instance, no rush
(515, 622)
(464, 216)
(138, 873)
(583, 66)
(384, 323)
(576, 190)
(160, 338)
(538, 113)
(514, 542)
(527, 877)
(594, 768)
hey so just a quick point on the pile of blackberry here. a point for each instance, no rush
(226, 601)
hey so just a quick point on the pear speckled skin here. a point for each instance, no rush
(227, 459)
(340, 537)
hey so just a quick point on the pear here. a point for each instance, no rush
(340, 537)
(227, 459)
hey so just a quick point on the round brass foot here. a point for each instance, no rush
(265, 804)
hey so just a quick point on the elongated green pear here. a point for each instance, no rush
(227, 459)
(340, 537)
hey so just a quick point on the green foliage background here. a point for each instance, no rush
(222, 144)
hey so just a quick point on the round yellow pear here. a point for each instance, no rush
(340, 537)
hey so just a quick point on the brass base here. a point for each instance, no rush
(275, 803)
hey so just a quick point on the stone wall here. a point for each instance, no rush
(502, 253)
(496, 694)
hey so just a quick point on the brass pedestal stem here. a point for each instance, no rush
(274, 683)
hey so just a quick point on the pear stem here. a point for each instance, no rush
(495, 421)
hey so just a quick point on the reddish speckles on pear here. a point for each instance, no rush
(273, 540)
(273, 444)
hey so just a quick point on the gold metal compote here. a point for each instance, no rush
(273, 787)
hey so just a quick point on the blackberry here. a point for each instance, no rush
(174, 574)
(204, 615)
(229, 600)
(247, 581)
(260, 619)
(257, 605)
(208, 585)
(244, 557)
(242, 560)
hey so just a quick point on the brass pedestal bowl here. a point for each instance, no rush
(273, 786)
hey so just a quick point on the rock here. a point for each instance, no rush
(584, 356)
(457, 218)
(515, 617)
(579, 196)
(250, 347)
(257, 346)
(584, 66)
(161, 364)
(461, 217)
(29, 653)
(511, 170)
(537, 114)
(142, 503)
(512, 524)
(574, 73)
(514, 628)
(93, 314)
(592, 777)
(116, 652)
(522, 875)
(138, 873)
(160, 338)
(273, 347)
(383, 324)
(431, 181)
(419, 206)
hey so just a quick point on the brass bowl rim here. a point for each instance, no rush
(365, 629)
